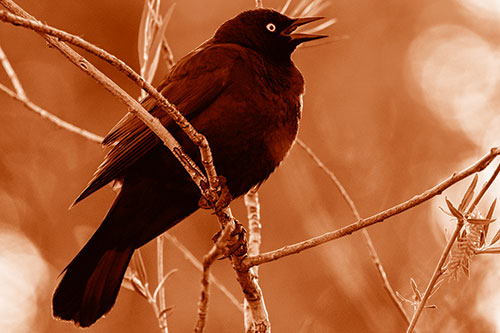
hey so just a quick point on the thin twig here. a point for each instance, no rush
(215, 252)
(438, 271)
(371, 248)
(55, 36)
(12, 75)
(20, 95)
(52, 118)
(377, 218)
(485, 187)
(162, 319)
(435, 276)
(332, 177)
(196, 263)
(152, 39)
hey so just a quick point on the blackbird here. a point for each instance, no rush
(242, 91)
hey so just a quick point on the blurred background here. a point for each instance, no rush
(402, 95)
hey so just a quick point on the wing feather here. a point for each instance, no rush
(194, 83)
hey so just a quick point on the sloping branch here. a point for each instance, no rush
(368, 240)
(377, 218)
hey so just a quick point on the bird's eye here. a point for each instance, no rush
(271, 27)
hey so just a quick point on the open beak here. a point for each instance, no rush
(298, 37)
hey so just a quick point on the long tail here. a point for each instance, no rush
(150, 202)
(91, 282)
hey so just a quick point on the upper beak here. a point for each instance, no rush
(298, 37)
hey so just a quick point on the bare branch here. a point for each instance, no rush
(254, 241)
(438, 271)
(485, 187)
(253, 295)
(52, 118)
(363, 223)
(332, 177)
(54, 36)
(248, 283)
(215, 252)
(20, 95)
(159, 294)
(254, 226)
(371, 248)
(12, 75)
(196, 263)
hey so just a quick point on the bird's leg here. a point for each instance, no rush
(223, 198)
(237, 244)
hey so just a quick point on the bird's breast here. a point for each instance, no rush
(251, 128)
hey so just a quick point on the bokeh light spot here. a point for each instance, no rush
(23, 273)
(457, 72)
(483, 10)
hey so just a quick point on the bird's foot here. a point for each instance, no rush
(237, 243)
(223, 198)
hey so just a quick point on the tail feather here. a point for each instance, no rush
(150, 202)
(90, 284)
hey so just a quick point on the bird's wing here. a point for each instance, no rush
(193, 84)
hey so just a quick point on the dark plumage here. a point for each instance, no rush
(242, 91)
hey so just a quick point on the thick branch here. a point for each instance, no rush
(253, 296)
(254, 241)
(254, 226)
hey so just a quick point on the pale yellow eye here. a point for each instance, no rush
(271, 27)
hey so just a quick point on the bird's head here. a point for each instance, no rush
(266, 31)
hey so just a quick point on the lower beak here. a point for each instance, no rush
(298, 37)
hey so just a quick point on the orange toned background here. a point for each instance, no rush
(404, 94)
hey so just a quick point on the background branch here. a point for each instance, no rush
(363, 223)
(461, 220)
(12, 75)
(368, 241)
(51, 117)
(189, 256)
(53, 36)
(20, 95)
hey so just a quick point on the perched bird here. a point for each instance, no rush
(242, 91)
